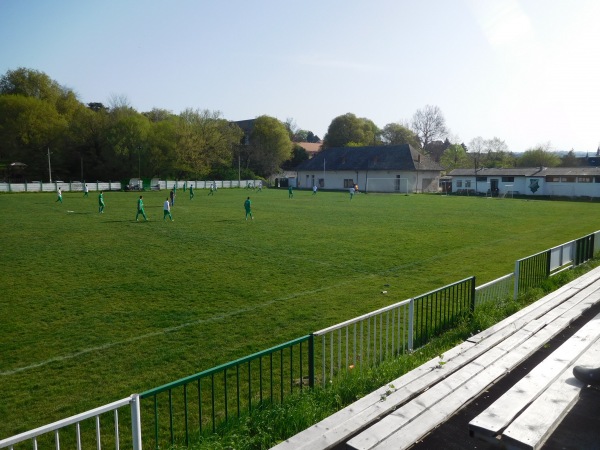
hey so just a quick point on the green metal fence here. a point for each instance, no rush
(180, 411)
(439, 310)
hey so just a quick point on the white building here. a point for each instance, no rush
(386, 168)
(536, 181)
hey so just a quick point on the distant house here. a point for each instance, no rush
(537, 181)
(312, 148)
(388, 168)
(247, 126)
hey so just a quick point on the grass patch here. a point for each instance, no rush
(98, 306)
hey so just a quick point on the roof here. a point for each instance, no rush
(528, 172)
(383, 157)
(310, 147)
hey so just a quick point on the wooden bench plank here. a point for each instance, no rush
(499, 415)
(536, 424)
(449, 396)
(544, 304)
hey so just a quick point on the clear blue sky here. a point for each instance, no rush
(526, 72)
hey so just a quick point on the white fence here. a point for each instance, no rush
(78, 186)
(495, 290)
(205, 184)
(365, 340)
(95, 414)
(71, 186)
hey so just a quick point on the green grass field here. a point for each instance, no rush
(96, 306)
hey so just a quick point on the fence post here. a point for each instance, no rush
(411, 323)
(136, 422)
(516, 289)
(472, 294)
(311, 361)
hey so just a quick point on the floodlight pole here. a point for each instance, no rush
(49, 166)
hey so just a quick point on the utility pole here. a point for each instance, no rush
(49, 167)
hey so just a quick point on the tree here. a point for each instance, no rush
(299, 154)
(270, 146)
(539, 156)
(30, 126)
(429, 124)
(126, 138)
(397, 134)
(570, 160)
(455, 157)
(311, 137)
(158, 115)
(497, 154)
(348, 130)
(204, 140)
(38, 85)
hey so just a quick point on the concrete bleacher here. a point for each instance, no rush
(404, 411)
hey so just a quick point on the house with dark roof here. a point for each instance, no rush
(536, 181)
(387, 168)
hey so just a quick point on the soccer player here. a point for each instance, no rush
(351, 192)
(248, 208)
(167, 210)
(101, 203)
(315, 189)
(172, 194)
(212, 189)
(140, 209)
(85, 191)
(290, 192)
(191, 191)
(59, 199)
(260, 186)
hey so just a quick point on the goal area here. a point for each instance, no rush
(394, 185)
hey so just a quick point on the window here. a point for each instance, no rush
(459, 183)
(321, 182)
(567, 179)
(552, 179)
(508, 179)
(481, 179)
(585, 179)
(348, 183)
(467, 184)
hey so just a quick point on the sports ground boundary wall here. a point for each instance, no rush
(174, 413)
(154, 184)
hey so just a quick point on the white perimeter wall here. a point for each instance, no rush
(521, 185)
(335, 179)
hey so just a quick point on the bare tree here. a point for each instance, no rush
(429, 124)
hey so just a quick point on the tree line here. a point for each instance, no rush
(427, 131)
(43, 123)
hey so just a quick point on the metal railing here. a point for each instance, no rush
(390, 331)
(495, 290)
(533, 270)
(72, 436)
(363, 341)
(439, 310)
(185, 408)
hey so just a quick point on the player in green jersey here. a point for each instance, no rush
(140, 209)
(101, 203)
(248, 208)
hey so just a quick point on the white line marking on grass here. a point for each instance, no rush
(164, 331)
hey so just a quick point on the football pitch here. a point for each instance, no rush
(95, 307)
